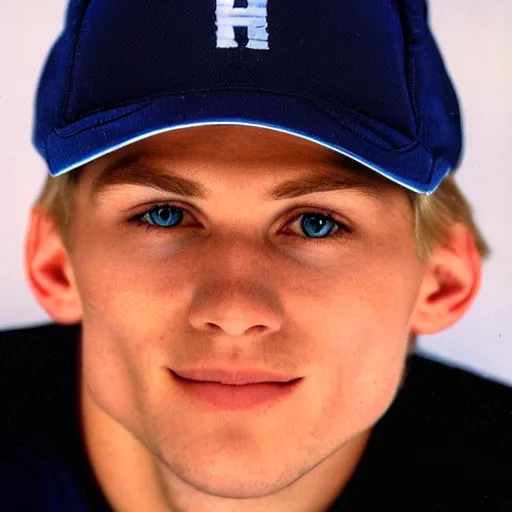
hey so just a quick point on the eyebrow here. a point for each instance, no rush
(137, 170)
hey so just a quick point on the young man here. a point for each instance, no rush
(249, 220)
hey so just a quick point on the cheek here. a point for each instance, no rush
(364, 344)
(122, 325)
(116, 283)
(360, 373)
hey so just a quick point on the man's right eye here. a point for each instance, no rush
(160, 216)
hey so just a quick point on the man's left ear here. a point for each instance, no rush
(450, 284)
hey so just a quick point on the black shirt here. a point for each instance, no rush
(445, 443)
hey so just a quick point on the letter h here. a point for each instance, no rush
(254, 17)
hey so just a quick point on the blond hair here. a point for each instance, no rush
(435, 214)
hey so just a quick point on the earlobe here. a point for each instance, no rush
(450, 284)
(49, 271)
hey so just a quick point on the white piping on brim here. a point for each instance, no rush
(262, 125)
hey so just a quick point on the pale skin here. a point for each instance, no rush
(227, 286)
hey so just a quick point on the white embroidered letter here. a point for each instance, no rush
(254, 17)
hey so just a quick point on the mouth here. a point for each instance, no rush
(237, 396)
(235, 377)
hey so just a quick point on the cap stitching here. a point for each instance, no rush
(321, 106)
(70, 82)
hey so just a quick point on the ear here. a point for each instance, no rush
(450, 284)
(49, 271)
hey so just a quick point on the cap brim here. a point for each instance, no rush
(102, 133)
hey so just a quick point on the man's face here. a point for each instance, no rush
(238, 283)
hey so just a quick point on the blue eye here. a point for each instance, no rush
(320, 222)
(163, 216)
(320, 228)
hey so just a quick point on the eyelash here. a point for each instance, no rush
(340, 233)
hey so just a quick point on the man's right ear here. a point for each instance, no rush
(49, 270)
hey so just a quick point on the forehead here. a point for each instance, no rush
(231, 144)
(204, 152)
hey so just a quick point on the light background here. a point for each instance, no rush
(476, 42)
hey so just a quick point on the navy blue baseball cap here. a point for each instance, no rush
(364, 78)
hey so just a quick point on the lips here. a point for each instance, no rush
(250, 389)
(238, 377)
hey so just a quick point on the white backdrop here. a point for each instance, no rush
(476, 41)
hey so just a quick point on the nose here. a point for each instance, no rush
(236, 312)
